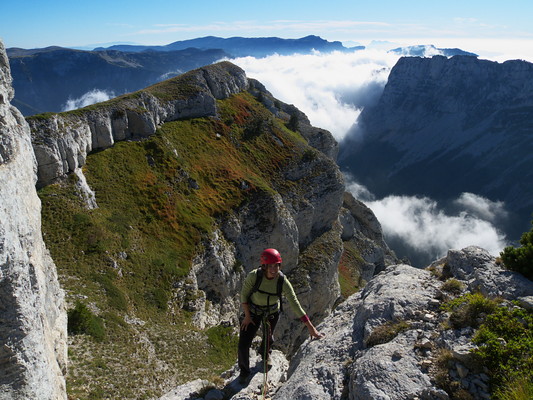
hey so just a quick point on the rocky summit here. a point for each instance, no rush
(361, 358)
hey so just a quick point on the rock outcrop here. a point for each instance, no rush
(62, 141)
(33, 320)
(349, 362)
(345, 365)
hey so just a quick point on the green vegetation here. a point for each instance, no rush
(386, 332)
(82, 320)
(157, 199)
(504, 337)
(469, 310)
(520, 259)
(452, 285)
(350, 270)
(519, 389)
(222, 342)
(505, 341)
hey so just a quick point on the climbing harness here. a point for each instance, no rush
(279, 290)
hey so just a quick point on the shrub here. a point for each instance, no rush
(469, 310)
(386, 332)
(520, 259)
(505, 341)
(82, 321)
(452, 285)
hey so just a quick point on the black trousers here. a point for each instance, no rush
(246, 337)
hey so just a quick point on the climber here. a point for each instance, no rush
(261, 302)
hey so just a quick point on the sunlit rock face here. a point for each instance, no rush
(62, 142)
(349, 363)
(33, 320)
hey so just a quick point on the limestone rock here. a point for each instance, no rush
(33, 320)
(320, 139)
(62, 142)
(363, 230)
(187, 390)
(345, 365)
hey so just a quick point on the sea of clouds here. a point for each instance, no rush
(332, 89)
(424, 230)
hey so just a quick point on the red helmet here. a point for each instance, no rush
(270, 256)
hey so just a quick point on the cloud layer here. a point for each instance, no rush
(331, 89)
(91, 97)
(425, 231)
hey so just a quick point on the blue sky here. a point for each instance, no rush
(466, 24)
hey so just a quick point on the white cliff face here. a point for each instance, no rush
(62, 142)
(33, 320)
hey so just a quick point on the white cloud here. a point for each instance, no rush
(359, 191)
(331, 89)
(427, 229)
(420, 225)
(481, 207)
(91, 97)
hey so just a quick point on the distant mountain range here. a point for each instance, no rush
(45, 79)
(242, 47)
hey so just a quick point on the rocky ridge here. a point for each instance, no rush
(303, 222)
(62, 141)
(349, 364)
(33, 321)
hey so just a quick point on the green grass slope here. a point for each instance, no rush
(157, 198)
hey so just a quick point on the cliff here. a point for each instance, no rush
(33, 320)
(157, 203)
(447, 126)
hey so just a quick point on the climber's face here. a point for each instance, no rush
(272, 270)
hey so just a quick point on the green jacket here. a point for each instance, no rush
(270, 286)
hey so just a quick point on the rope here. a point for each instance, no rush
(266, 346)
